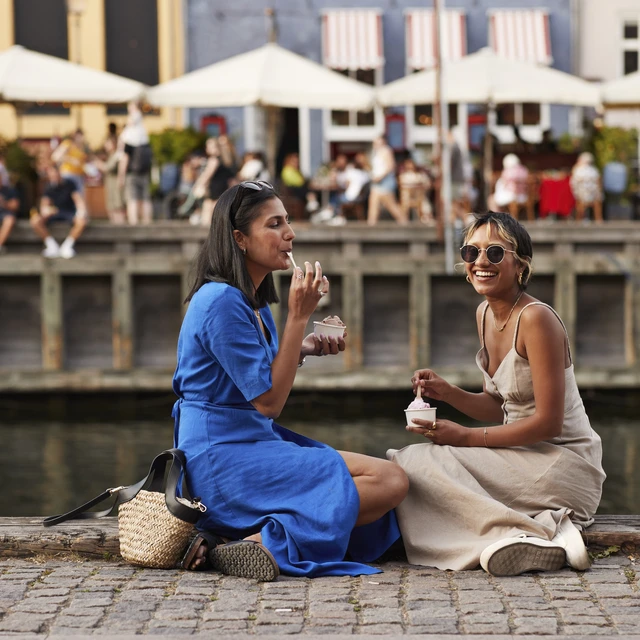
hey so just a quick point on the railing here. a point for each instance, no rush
(109, 318)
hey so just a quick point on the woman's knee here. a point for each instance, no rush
(396, 483)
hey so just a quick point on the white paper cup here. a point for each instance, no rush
(329, 330)
(421, 414)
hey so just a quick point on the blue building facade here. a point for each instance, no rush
(219, 29)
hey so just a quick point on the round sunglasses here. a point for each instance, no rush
(495, 253)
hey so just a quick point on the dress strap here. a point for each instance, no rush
(515, 333)
(484, 315)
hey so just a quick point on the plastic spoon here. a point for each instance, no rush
(293, 262)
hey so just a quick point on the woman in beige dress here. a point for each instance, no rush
(510, 496)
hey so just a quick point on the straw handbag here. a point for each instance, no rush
(154, 524)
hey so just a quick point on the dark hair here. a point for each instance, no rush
(511, 231)
(220, 258)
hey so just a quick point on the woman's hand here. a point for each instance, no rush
(312, 345)
(431, 384)
(306, 290)
(442, 432)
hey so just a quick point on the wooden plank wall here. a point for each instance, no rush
(109, 318)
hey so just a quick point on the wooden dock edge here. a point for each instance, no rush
(26, 537)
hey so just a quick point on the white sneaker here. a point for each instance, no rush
(338, 221)
(569, 538)
(324, 215)
(67, 252)
(513, 556)
(51, 252)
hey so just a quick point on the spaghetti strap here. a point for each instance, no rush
(484, 315)
(515, 333)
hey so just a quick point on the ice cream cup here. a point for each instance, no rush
(421, 414)
(329, 330)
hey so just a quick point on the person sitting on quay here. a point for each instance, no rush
(9, 206)
(511, 187)
(288, 503)
(61, 202)
(505, 496)
(586, 186)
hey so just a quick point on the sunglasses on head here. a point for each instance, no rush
(255, 185)
(495, 253)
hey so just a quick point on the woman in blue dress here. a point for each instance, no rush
(286, 502)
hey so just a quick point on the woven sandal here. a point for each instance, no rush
(202, 537)
(244, 559)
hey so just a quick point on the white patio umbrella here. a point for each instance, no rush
(28, 76)
(268, 76)
(486, 78)
(622, 92)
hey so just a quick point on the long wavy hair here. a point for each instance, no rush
(220, 259)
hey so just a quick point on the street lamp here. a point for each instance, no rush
(76, 8)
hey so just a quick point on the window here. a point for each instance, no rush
(341, 28)
(355, 118)
(46, 34)
(131, 34)
(630, 45)
(423, 115)
(630, 30)
(518, 114)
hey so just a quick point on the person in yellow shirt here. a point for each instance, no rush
(71, 156)
(296, 183)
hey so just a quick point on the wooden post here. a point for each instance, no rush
(51, 306)
(565, 302)
(121, 292)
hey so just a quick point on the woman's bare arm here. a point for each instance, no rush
(545, 347)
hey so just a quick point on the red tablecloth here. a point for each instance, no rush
(556, 197)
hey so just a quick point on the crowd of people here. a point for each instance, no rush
(365, 186)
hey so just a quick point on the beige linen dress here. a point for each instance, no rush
(462, 499)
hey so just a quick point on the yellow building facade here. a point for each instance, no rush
(87, 43)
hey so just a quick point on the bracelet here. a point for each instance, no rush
(485, 437)
(302, 362)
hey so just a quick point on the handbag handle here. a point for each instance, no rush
(157, 483)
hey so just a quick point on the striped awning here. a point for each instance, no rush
(352, 39)
(521, 35)
(420, 41)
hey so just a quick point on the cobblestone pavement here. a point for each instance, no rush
(65, 597)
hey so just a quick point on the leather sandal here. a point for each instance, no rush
(202, 537)
(244, 559)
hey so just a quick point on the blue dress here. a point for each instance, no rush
(252, 474)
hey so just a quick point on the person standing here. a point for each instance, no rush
(384, 184)
(71, 156)
(61, 202)
(134, 168)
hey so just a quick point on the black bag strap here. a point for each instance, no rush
(154, 481)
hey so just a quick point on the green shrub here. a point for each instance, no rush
(174, 145)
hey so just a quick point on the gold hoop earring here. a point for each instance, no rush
(468, 279)
(520, 278)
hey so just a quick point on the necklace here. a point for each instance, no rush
(495, 324)
(257, 312)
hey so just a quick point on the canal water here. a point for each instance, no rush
(58, 452)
